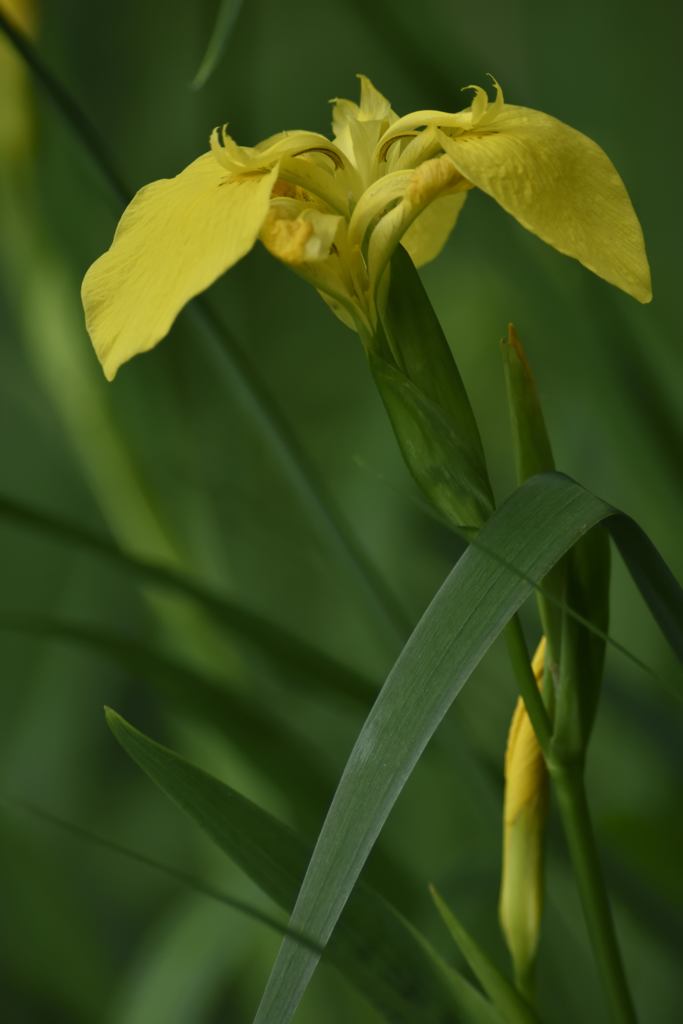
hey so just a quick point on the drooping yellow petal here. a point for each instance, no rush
(175, 238)
(427, 235)
(560, 185)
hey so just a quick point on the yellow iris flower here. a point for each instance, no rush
(335, 210)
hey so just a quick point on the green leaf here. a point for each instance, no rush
(499, 989)
(374, 947)
(538, 524)
(433, 451)
(426, 401)
(533, 453)
(421, 350)
(226, 18)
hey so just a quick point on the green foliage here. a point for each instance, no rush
(426, 400)
(538, 524)
(500, 990)
(372, 946)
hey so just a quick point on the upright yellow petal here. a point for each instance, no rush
(357, 128)
(174, 239)
(373, 105)
(561, 185)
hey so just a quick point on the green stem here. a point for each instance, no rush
(573, 805)
(528, 688)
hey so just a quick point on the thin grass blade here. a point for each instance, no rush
(226, 19)
(500, 990)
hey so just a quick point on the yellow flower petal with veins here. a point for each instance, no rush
(174, 239)
(560, 185)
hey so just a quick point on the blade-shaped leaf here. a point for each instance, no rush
(501, 991)
(303, 663)
(538, 524)
(374, 947)
(425, 398)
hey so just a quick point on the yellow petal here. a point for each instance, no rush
(432, 182)
(357, 128)
(427, 235)
(307, 240)
(297, 233)
(174, 239)
(373, 105)
(375, 199)
(560, 185)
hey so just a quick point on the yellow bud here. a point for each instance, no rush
(526, 785)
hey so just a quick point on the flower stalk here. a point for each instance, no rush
(570, 791)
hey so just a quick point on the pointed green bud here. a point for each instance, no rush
(533, 453)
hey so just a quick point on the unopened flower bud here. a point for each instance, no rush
(526, 792)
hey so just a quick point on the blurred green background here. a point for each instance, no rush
(175, 462)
